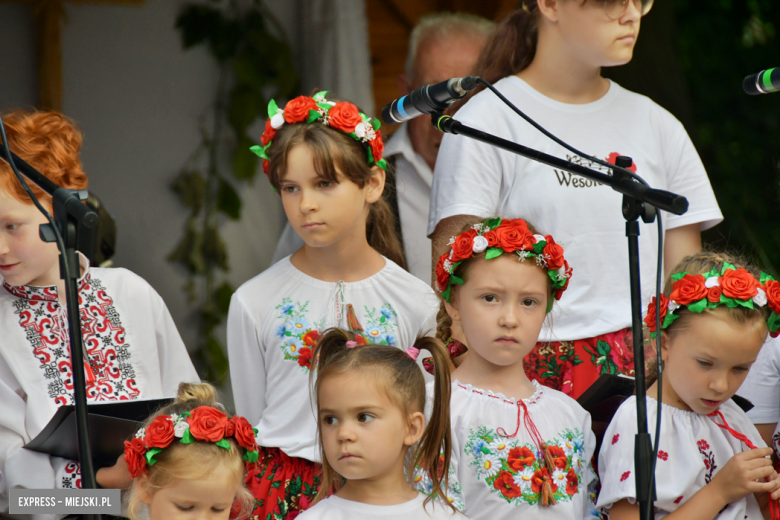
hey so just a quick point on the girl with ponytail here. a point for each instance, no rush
(324, 158)
(371, 423)
(546, 58)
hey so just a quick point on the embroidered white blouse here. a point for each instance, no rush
(693, 448)
(275, 319)
(494, 472)
(134, 352)
(335, 508)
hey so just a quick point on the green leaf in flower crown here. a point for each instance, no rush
(258, 150)
(712, 273)
(745, 303)
(313, 116)
(150, 455)
(653, 335)
(446, 294)
(493, 223)
(456, 280)
(712, 305)
(773, 322)
(729, 302)
(251, 456)
(677, 276)
(669, 319)
(493, 252)
(698, 306)
(187, 438)
(319, 96)
(765, 277)
(539, 247)
(369, 155)
(273, 109)
(354, 136)
(376, 123)
(726, 266)
(325, 106)
(382, 164)
(223, 443)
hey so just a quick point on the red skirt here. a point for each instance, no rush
(572, 366)
(283, 486)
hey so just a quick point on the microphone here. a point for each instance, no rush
(429, 99)
(765, 82)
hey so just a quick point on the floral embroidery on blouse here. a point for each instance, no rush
(298, 334)
(709, 459)
(422, 482)
(515, 472)
(382, 326)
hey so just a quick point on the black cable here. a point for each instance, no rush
(658, 277)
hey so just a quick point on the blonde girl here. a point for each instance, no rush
(372, 429)
(519, 449)
(188, 461)
(712, 462)
(324, 159)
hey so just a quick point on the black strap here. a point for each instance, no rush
(391, 196)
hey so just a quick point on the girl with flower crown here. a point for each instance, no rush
(546, 58)
(325, 160)
(712, 462)
(519, 449)
(189, 460)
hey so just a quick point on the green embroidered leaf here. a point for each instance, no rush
(603, 348)
(485, 450)
(150, 455)
(319, 96)
(677, 276)
(383, 319)
(726, 266)
(493, 252)
(273, 109)
(376, 123)
(493, 223)
(251, 456)
(223, 443)
(276, 484)
(313, 116)
(456, 280)
(698, 306)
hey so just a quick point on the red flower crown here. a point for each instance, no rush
(204, 423)
(498, 236)
(731, 287)
(343, 116)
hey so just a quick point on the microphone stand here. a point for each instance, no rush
(77, 224)
(639, 200)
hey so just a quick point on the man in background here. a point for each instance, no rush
(441, 46)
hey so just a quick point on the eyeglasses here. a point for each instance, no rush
(615, 8)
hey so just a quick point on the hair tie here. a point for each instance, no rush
(351, 344)
(413, 352)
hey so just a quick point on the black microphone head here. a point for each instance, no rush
(469, 83)
(386, 114)
(749, 85)
(765, 82)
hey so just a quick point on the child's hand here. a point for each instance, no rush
(116, 476)
(745, 473)
(775, 479)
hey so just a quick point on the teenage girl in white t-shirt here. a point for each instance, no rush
(325, 160)
(550, 54)
(371, 421)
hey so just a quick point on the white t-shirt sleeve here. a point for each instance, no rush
(175, 363)
(247, 361)
(686, 176)
(467, 178)
(762, 385)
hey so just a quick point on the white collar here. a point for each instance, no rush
(401, 143)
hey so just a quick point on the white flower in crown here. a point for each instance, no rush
(180, 427)
(480, 244)
(478, 228)
(760, 298)
(277, 121)
(522, 255)
(711, 282)
(174, 417)
(540, 261)
(540, 238)
(672, 306)
(365, 131)
(561, 273)
(140, 434)
(448, 266)
(452, 241)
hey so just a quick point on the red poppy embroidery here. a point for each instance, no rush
(678, 499)
(615, 438)
(625, 476)
(663, 455)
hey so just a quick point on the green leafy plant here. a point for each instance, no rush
(254, 64)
